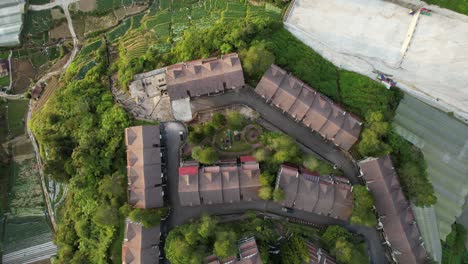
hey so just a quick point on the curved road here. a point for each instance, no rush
(180, 215)
(302, 134)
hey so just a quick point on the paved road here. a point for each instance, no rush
(303, 135)
(180, 215)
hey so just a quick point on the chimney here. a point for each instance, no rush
(187, 179)
(209, 176)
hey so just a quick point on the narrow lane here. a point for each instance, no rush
(180, 215)
(303, 135)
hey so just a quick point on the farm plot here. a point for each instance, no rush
(103, 6)
(37, 21)
(120, 30)
(16, 116)
(84, 61)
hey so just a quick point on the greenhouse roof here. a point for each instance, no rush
(11, 21)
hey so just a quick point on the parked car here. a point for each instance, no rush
(287, 210)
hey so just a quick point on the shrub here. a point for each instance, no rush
(363, 212)
(205, 155)
(147, 217)
(278, 194)
(235, 120)
(265, 193)
(218, 120)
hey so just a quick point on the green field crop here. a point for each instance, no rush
(119, 31)
(136, 20)
(84, 70)
(236, 7)
(53, 53)
(5, 81)
(36, 22)
(25, 232)
(90, 48)
(38, 59)
(16, 115)
(162, 30)
(4, 55)
(164, 4)
(38, 2)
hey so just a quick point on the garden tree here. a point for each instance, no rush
(190, 233)
(363, 212)
(372, 136)
(343, 246)
(283, 147)
(256, 60)
(294, 251)
(80, 128)
(266, 178)
(412, 171)
(311, 162)
(235, 120)
(147, 217)
(343, 251)
(218, 120)
(333, 233)
(196, 137)
(178, 251)
(454, 248)
(278, 194)
(205, 155)
(265, 192)
(261, 154)
(209, 130)
(225, 244)
(207, 226)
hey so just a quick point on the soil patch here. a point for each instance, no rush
(60, 31)
(87, 5)
(23, 74)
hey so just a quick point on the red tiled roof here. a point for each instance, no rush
(189, 170)
(247, 159)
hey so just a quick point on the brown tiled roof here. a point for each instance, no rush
(288, 91)
(144, 166)
(318, 255)
(248, 254)
(304, 101)
(231, 190)
(304, 104)
(309, 192)
(211, 187)
(288, 180)
(140, 244)
(349, 133)
(249, 178)
(188, 186)
(201, 77)
(226, 183)
(394, 210)
(142, 137)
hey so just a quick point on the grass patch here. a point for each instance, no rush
(36, 22)
(460, 6)
(5, 81)
(360, 94)
(306, 64)
(16, 115)
(38, 59)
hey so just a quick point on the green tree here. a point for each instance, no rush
(343, 251)
(209, 130)
(333, 233)
(256, 60)
(278, 194)
(207, 226)
(205, 155)
(261, 154)
(218, 120)
(266, 178)
(265, 193)
(311, 162)
(225, 244)
(376, 129)
(235, 120)
(294, 251)
(148, 217)
(363, 212)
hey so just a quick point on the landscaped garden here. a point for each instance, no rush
(191, 243)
